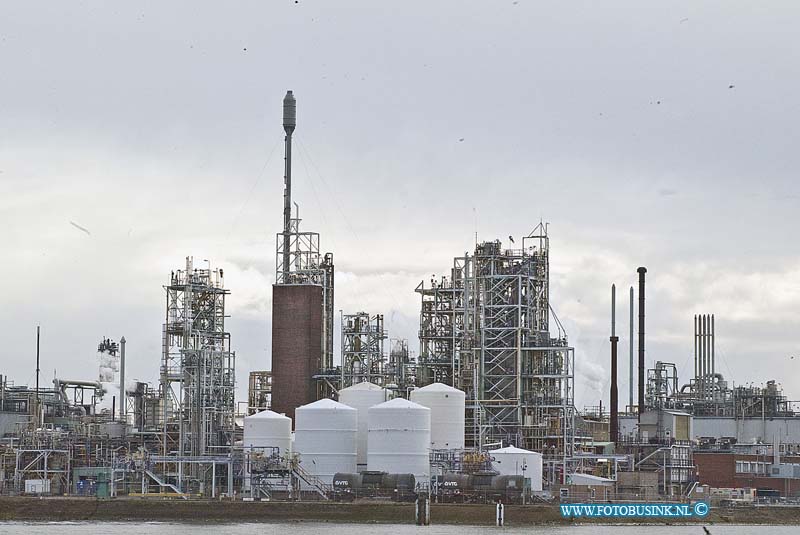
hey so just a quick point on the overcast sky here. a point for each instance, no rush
(655, 134)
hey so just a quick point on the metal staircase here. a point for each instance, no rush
(161, 483)
(314, 483)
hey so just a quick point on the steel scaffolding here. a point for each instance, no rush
(363, 358)
(485, 329)
(401, 370)
(197, 370)
(441, 328)
(298, 261)
(259, 391)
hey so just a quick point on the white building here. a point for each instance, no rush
(512, 461)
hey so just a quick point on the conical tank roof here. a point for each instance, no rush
(327, 404)
(362, 386)
(266, 414)
(513, 449)
(438, 387)
(398, 403)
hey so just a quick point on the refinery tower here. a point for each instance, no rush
(302, 301)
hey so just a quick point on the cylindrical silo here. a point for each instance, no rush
(513, 461)
(447, 405)
(267, 429)
(362, 396)
(399, 438)
(266, 434)
(325, 438)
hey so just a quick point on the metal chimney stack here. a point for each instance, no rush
(289, 124)
(123, 405)
(614, 424)
(704, 365)
(631, 366)
(704, 354)
(641, 271)
(713, 366)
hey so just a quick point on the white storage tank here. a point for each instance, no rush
(267, 429)
(447, 405)
(362, 396)
(325, 438)
(399, 438)
(512, 461)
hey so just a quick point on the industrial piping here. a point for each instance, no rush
(614, 426)
(641, 271)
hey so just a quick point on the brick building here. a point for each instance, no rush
(736, 470)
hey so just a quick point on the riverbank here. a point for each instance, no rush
(170, 510)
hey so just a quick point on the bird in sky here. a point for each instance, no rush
(77, 226)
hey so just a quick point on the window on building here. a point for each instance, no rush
(742, 467)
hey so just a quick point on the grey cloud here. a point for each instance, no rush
(154, 118)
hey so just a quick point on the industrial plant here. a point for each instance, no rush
(484, 413)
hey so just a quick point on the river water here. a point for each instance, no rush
(319, 528)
